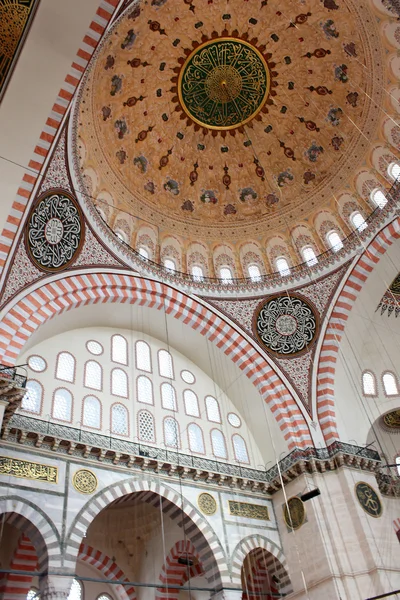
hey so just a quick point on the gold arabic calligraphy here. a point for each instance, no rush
(28, 470)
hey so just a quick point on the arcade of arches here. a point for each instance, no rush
(199, 299)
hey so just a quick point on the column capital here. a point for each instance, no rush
(55, 587)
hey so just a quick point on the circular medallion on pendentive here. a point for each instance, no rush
(286, 325)
(207, 504)
(369, 499)
(391, 421)
(224, 83)
(294, 513)
(54, 232)
(84, 481)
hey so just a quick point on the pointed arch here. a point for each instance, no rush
(109, 569)
(175, 574)
(24, 559)
(22, 316)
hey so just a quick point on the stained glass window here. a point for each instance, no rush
(240, 449)
(212, 408)
(218, 444)
(37, 363)
(195, 435)
(119, 383)
(369, 384)
(282, 266)
(191, 403)
(146, 426)
(165, 364)
(171, 433)
(334, 241)
(144, 390)
(168, 397)
(119, 349)
(32, 400)
(91, 412)
(390, 384)
(93, 375)
(62, 405)
(143, 356)
(65, 367)
(119, 420)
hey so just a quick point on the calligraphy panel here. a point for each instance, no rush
(28, 470)
(15, 19)
(251, 511)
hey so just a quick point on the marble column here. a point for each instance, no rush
(55, 587)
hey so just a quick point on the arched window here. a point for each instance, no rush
(225, 274)
(197, 273)
(33, 594)
(32, 400)
(146, 426)
(358, 221)
(119, 383)
(254, 273)
(65, 367)
(143, 356)
(119, 419)
(239, 448)
(394, 170)
(196, 441)
(62, 405)
(121, 235)
(171, 433)
(282, 266)
(119, 349)
(398, 464)
(369, 384)
(168, 397)
(309, 256)
(37, 364)
(165, 364)
(144, 390)
(169, 264)
(104, 597)
(378, 198)
(76, 592)
(191, 403)
(91, 412)
(93, 375)
(390, 384)
(218, 444)
(334, 241)
(212, 407)
(143, 252)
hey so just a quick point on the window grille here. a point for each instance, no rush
(218, 444)
(119, 350)
(212, 408)
(165, 364)
(93, 375)
(196, 442)
(191, 403)
(119, 383)
(146, 426)
(32, 400)
(144, 390)
(309, 256)
(390, 384)
(369, 384)
(62, 405)
(37, 363)
(171, 433)
(119, 420)
(240, 450)
(91, 412)
(225, 274)
(378, 198)
(143, 356)
(334, 241)
(254, 273)
(282, 266)
(168, 397)
(65, 367)
(358, 221)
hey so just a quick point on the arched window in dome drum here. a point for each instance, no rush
(146, 427)
(93, 375)
(171, 433)
(191, 403)
(309, 256)
(168, 397)
(143, 252)
(119, 349)
(282, 266)
(121, 235)
(196, 441)
(76, 591)
(33, 594)
(394, 171)
(169, 264)
(119, 383)
(165, 364)
(144, 390)
(143, 356)
(398, 464)
(358, 221)
(91, 412)
(239, 448)
(254, 273)
(212, 408)
(65, 367)
(334, 241)
(225, 274)
(390, 384)
(62, 405)
(119, 419)
(32, 400)
(378, 198)
(218, 444)
(369, 384)
(104, 597)
(197, 273)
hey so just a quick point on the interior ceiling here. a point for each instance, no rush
(160, 120)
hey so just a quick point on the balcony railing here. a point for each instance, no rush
(11, 374)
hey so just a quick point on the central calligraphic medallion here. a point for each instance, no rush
(224, 83)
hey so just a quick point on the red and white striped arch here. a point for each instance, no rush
(109, 569)
(258, 576)
(175, 574)
(37, 306)
(15, 586)
(336, 325)
(45, 143)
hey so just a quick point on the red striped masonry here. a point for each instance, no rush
(334, 331)
(16, 587)
(68, 292)
(173, 573)
(60, 107)
(109, 569)
(259, 579)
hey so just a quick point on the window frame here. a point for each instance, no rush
(284, 272)
(97, 342)
(198, 416)
(219, 409)
(31, 412)
(111, 383)
(56, 367)
(178, 447)
(170, 260)
(361, 227)
(72, 405)
(88, 387)
(212, 444)
(310, 262)
(390, 168)
(163, 384)
(141, 249)
(197, 277)
(334, 247)
(37, 356)
(242, 462)
(376, 204)
(83, 413)
(142, 410)
(364, 393)
(170, 377)
(150, 355)
(127, 419)
(225, 280)
(396, 381)
(202, 439)
(117, 362)
(137, 390)
(254, 278)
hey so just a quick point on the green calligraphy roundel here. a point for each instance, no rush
(224, 83)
